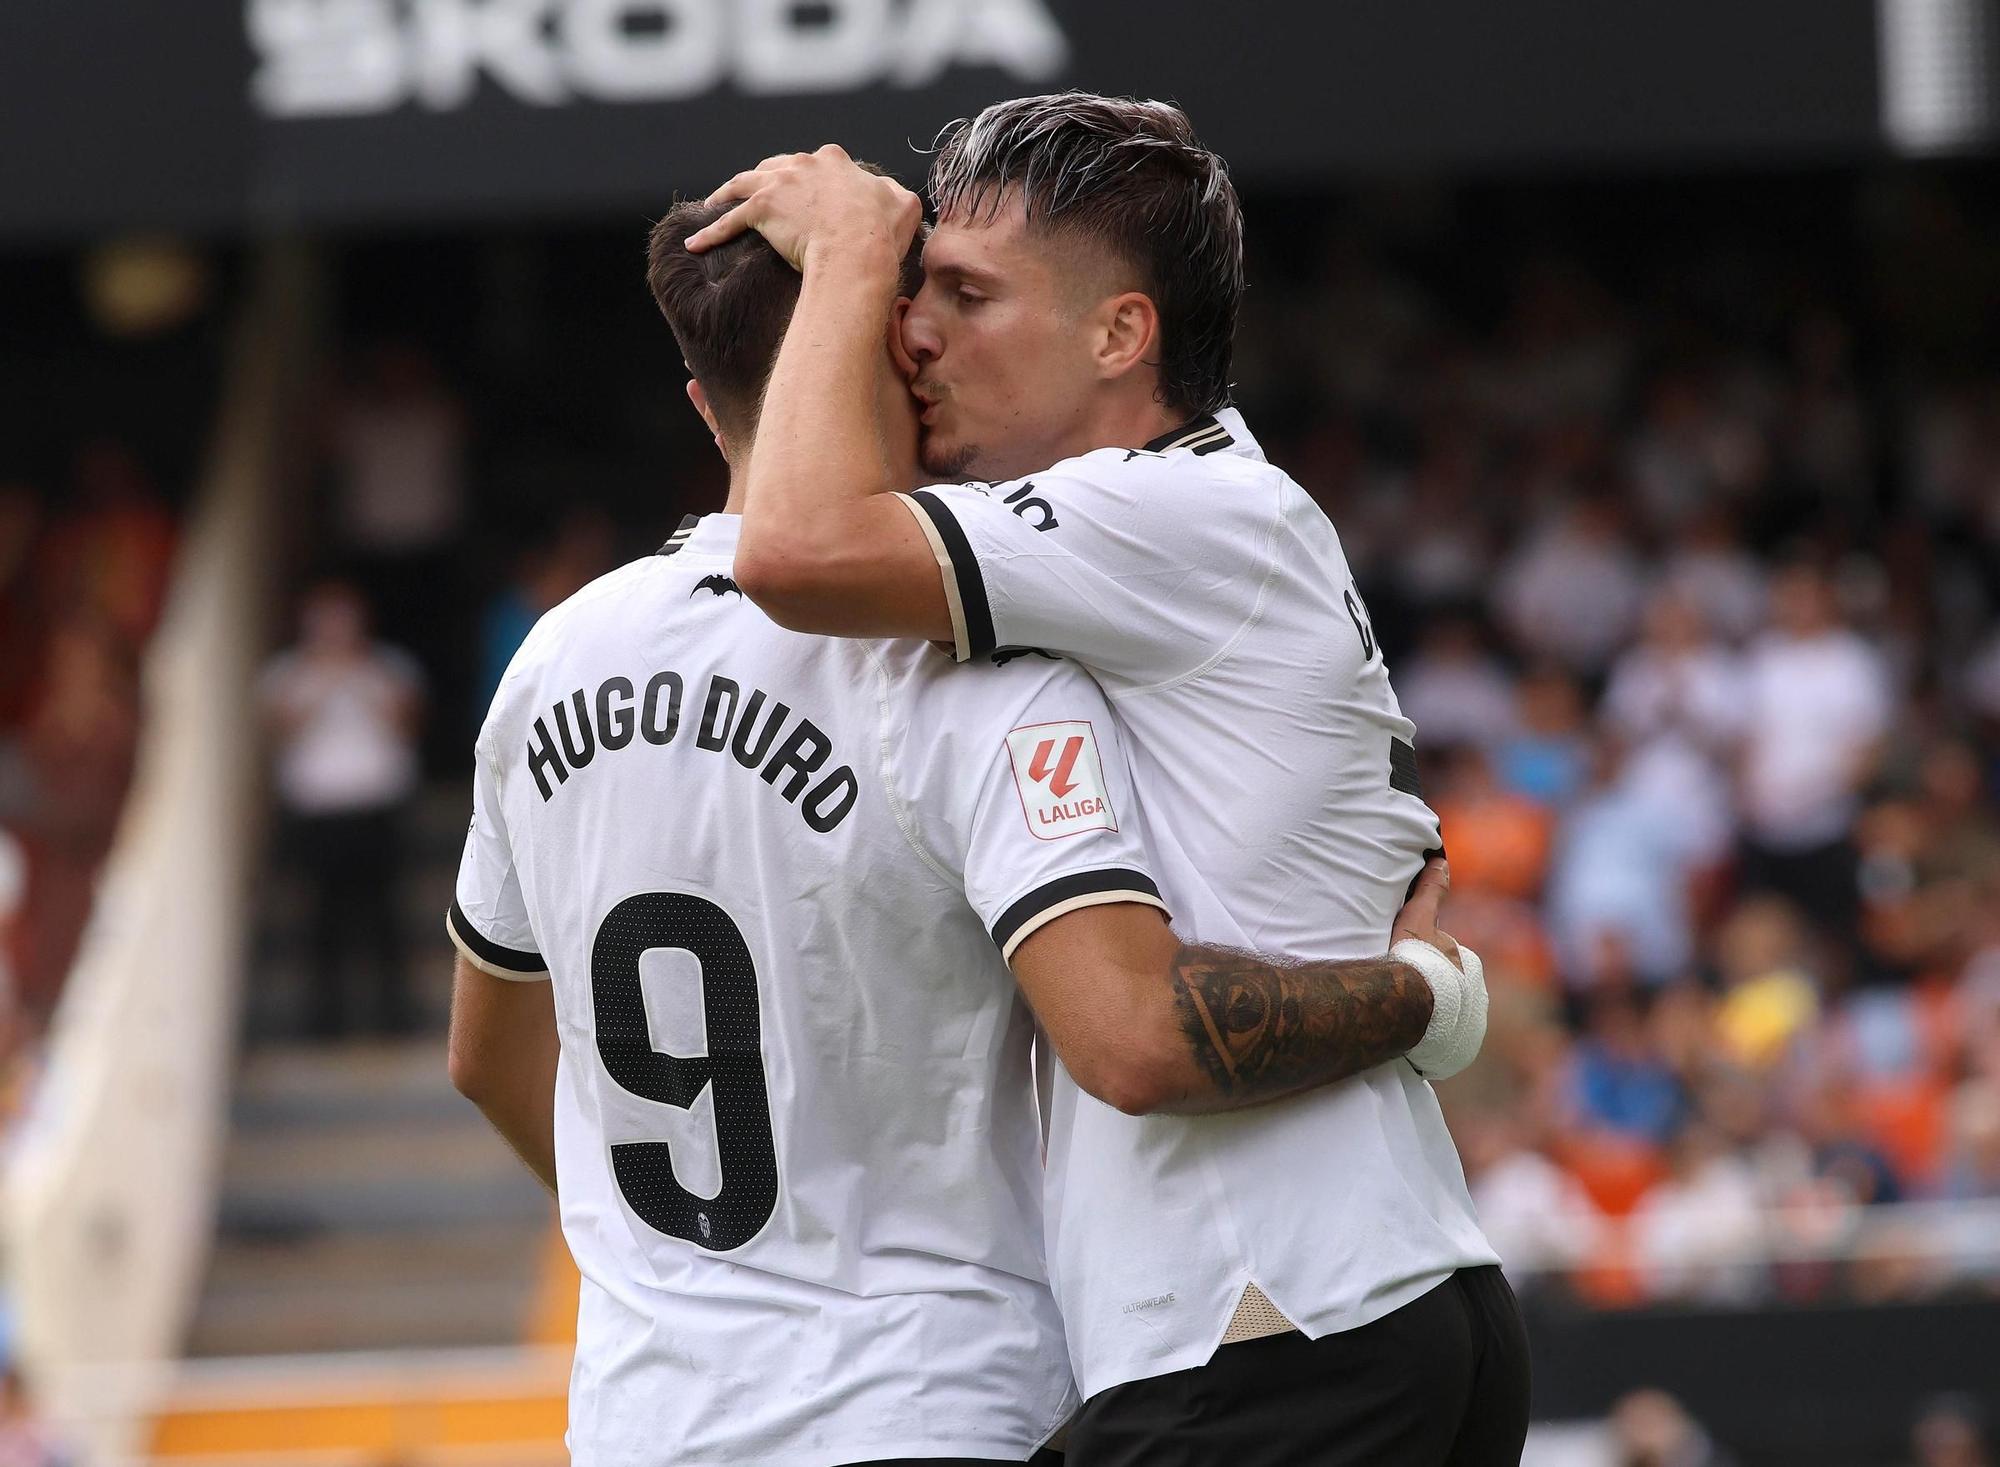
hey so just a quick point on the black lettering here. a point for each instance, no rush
(831, 799)
(714, 735)
(542, 755)
(747, 756)
(614, 725)
(794, 755)
(650, 726)
(578, 758)
(1045, 514)
(1363, 627)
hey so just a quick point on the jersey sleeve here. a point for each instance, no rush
(488, 920)
(1013, 781)
(1137, 564)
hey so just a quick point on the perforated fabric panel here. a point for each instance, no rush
(1255, 1317)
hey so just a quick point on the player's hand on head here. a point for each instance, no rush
(804, 203)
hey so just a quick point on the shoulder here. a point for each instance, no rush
(936, 690)
(1144, 474)
(604, 601)
(947, 726)
(1138, 497)
(604, 607)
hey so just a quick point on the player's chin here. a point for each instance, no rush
(945, 458)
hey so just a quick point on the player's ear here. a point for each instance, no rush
(1129, 333)
(700, 401)
(898, 352)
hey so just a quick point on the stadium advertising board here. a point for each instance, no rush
(227, 113)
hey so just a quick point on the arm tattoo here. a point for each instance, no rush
(1259, 1030)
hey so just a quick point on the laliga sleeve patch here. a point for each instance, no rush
(1060, 779)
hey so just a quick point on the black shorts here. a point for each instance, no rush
(1043, 1458)
(1441, 1382)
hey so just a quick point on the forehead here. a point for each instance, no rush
(992, 242)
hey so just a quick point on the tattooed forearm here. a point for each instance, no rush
(1258, 1031)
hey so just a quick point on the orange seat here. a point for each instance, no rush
(1905, 1120)
(1616, 1171)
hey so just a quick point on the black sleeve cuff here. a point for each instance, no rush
(488, 955)
(972, 615)
(1066, 894)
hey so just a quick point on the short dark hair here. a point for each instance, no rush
(729, 306)
(1132, 176)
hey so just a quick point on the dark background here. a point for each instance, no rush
(133, 113)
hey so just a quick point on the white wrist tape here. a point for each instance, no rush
(1458, 1008)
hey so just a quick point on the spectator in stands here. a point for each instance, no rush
(1620, 871)
(398, 450)
(1454, 689)
(1675, 702)
(1709, 567)
(1816, 711)
(1499, 840)
(1770, 997)
(1649, 1428)
(344, 713)
(1676, 684)
(1699, 1235)
(399, 459)
(1617, 1082)
(1572, 590)
(1548, 758)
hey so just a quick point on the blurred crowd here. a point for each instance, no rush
(1682, 533)
(107, 368)
(82, 581)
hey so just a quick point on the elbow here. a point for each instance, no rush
(470, 1076)
(787, 582)
(1128, 1080)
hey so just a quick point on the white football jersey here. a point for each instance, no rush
(773, 878)
(1212, 600)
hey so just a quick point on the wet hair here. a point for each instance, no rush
(729, 307)
(1131, 177)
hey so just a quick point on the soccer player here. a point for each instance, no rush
(1301, 1283)
(779, 1078)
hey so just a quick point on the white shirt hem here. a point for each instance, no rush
(1312, 1324)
